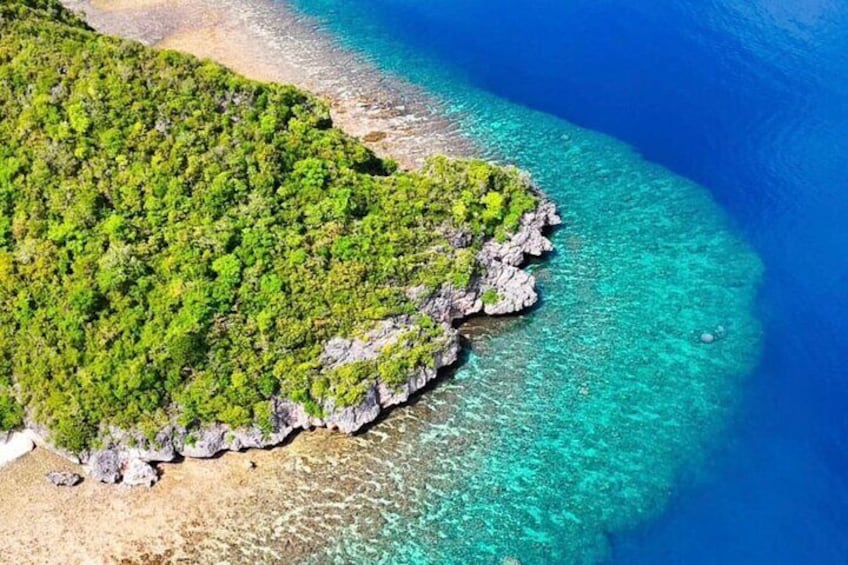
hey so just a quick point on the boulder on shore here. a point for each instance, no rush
(105, 466)
(64, 478)
(13, 446)
(138, 473)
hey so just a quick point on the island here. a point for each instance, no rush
(193, 262)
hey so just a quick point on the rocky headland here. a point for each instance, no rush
(402, 120)
(129, 457)
(194, 498)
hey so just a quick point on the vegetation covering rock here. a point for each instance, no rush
(191, 261)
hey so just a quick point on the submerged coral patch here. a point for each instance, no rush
(575, 422)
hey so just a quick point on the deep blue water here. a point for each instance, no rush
(750, 100)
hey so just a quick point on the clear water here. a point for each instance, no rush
(750, 99)
(577, 421)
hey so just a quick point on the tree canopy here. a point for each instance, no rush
(179, 242)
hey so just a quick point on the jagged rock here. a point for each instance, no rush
(293, 414)
(206, 442)
(64, 478)
(138, 473)
(352, 418)
(159, 449)
(450, 303)
(516, 289)
(461, 239)
(250, 465)
(105, 466)
(527, 240)
(500, 262)
(380, 396)
(256, 438)
(392, 396)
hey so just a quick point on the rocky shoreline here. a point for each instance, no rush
(130, 459)
(283, 504)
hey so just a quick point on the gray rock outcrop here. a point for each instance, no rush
(341, 351)
(516, 289)
(500, 263)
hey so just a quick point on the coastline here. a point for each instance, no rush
(129, 458)
(407, 128)
(395, 120)
(605, 392)
(267, 41)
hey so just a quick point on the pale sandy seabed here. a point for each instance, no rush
(298, 495)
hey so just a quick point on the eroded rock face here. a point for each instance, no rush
(516, 289)
(447, 356)
(500, 261)
(450, 303)
(160, 449)
(128, 454)
(205, 442)
(352, 418)
(529, 239)
(341, 351)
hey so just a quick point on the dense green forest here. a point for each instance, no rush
(179, 242)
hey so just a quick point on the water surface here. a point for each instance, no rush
(577, 422)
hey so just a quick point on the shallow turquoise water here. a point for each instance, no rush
(576, 422)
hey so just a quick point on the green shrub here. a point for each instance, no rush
(490, 297)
